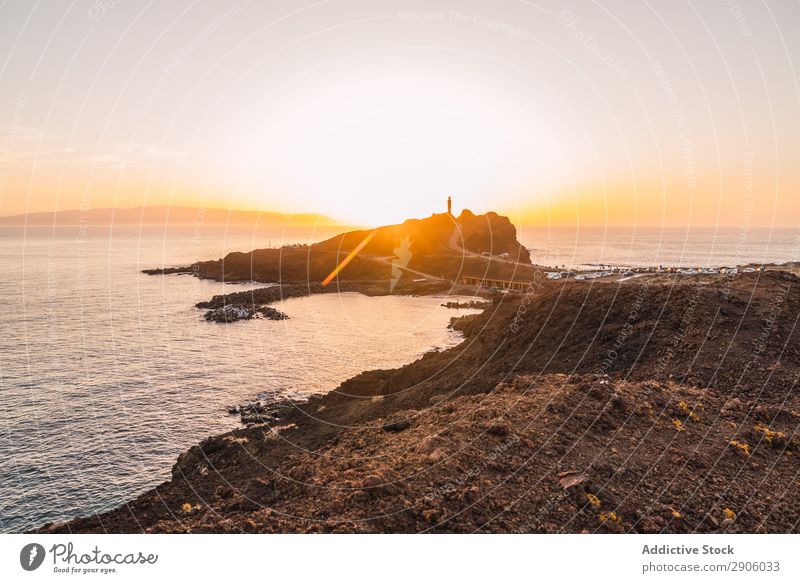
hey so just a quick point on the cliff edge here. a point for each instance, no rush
(441, 246)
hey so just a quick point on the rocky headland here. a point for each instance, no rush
(440, 247)
(419, 257)
(657, 404)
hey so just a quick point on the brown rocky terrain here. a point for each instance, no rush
(437, 248)
(437, 252)
(658, 404)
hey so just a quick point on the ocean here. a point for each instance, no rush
(107, 375)
(651, 247)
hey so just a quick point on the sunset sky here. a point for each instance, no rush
(596, 113)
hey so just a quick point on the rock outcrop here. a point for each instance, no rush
(649, 406)
(441, 245)
(235, 312)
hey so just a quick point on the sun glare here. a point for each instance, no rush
(375, 152)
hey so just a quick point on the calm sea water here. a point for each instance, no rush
(106, 375)
(646, 247)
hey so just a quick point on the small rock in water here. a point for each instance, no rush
(235, 312)
(272, 313)
(260, 411)
(229, 313)
(474, 305)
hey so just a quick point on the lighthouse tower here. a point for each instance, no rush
(450, 206)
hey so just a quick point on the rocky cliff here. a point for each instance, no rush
(441, 246)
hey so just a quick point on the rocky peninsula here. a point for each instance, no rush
(655, 404)
(418, 257)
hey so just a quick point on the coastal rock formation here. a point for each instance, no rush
(260, 296)
(655, 405)
(441, 246)
(271, 313)
(491, 233)
(262, 411)
(245, 305)
(169, 270)
(229, 313)
(235, 312)
(457, 466)
(441, 250)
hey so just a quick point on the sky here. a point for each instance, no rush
(610, 113)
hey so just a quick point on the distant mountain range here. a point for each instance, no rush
(169, 216)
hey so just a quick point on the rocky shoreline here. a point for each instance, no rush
(471, 305)
(263, 410)
(170, 271)
(655, 404)
(446, 248)
(671, 408)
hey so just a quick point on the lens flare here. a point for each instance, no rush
(348, 259)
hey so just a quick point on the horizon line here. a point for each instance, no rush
(333, 221)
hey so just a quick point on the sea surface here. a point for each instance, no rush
(107, 375)
(651, 247)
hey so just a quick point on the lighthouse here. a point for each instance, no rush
(450, 206)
